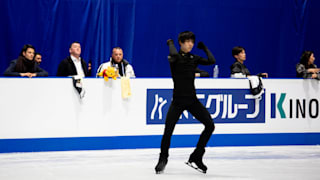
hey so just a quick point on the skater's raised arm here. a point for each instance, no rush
(204, 61)
(173, 53)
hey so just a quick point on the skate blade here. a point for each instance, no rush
(195, 167)
(159, 172)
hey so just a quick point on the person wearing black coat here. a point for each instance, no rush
(25, 65)
(73, 65)
(238, 69)
(306, 68)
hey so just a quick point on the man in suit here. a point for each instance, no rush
(73, 65)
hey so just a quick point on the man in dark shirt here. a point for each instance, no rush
(183, 65)
(25, 66)
(38, 58)
(238, 69)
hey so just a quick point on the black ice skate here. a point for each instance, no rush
(161, 165)
(195, 161)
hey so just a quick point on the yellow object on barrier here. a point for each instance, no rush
(110, 72)
(125, 87)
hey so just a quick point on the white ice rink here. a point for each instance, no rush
(264, 162)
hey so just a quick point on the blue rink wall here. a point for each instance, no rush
(137, 142)
(43, 117)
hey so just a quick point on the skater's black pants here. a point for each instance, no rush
(192, 104)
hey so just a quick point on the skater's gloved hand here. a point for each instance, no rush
(169, 41)
(201, 45)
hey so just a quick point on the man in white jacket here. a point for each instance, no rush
(117, 61)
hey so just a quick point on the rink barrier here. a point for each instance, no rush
(56, 119)
(139, 142)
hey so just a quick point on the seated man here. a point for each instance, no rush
(25, 64)
(238, 69)
(73, 65)
(117, 61)
(38, 58)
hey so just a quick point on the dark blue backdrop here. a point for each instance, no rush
(274, 32)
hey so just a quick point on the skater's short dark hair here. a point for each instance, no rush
(237, 50)
(186, 35)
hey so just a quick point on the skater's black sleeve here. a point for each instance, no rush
(204, 61)
(173, 53)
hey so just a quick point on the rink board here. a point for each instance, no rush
(46, 114)
(153, 141)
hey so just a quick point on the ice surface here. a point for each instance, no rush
(263, 162)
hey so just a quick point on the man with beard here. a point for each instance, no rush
(117, 61)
